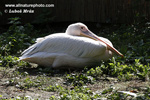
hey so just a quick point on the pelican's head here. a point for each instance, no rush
(79, 29)
(76, 29)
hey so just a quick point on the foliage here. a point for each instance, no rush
(131, 40)
(122, 71)
(16, 38)
(8, 61)
(11, 61)
(79, 79)
(54, 88)
(97, 72)
(23, 81)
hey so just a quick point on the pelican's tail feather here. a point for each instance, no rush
(24, 58)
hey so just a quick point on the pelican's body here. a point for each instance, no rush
(68, 50)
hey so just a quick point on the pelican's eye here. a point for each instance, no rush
(83, 28)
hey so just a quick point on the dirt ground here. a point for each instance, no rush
(8, 90)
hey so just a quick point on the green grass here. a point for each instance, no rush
(22, 81)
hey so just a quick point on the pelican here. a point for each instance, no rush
(76, 48)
